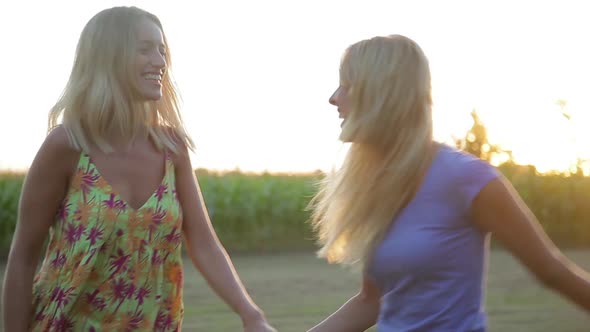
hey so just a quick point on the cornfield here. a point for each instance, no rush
(267, 212)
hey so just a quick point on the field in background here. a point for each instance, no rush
(266, 212)
(297, 290)
(261, 219)
(250, 212)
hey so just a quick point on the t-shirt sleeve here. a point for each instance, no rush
(474, 175)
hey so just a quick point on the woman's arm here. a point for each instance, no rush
(207, 253)
(357, 314)
(499, 209)
(43, 190)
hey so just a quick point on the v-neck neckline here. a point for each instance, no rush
(116, 193)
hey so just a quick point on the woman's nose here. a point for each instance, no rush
(332, 99)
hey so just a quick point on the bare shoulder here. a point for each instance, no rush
(58, 138)
(57, 151)
(181, 158)
(43, 191)
(495, 193)
(499, 209)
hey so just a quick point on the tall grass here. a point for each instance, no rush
(266, 212)
(259, 211)
(10, 186)
(262, 212)
(560, 202)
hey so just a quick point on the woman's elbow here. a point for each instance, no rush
(203, 251)
(25, 255)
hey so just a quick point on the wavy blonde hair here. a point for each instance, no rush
(390, 127)
(101, 95)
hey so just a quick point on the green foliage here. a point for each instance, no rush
(262, 212)
(560, 202)
(259, 211)
(476, 141)
(267, 212)
(10, 185)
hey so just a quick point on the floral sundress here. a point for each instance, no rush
(108, 266)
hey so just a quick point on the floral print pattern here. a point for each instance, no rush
(108, 266)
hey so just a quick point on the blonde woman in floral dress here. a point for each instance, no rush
(113, 189)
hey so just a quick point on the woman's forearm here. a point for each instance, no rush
(573, 283)
(356, 315)
(17, 296)
(217, 268)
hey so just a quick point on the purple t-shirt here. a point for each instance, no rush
(431, 264)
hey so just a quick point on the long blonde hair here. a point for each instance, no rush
(101, 95)
(390, 127)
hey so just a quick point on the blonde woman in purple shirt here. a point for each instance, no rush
(414, 214)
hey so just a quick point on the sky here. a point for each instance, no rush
(255, 76)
